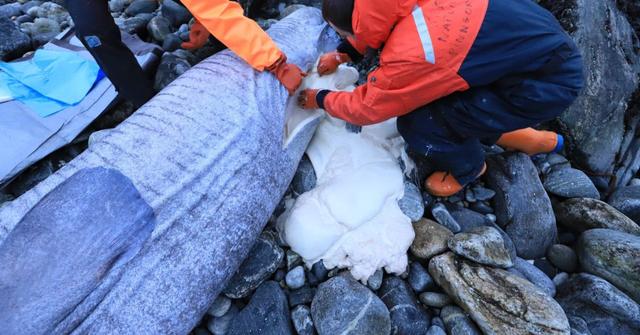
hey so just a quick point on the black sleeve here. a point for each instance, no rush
(320, 98)
(347, 48)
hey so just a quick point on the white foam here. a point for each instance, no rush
(351, 219)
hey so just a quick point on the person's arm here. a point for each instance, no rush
(390, 91)
(226, 21)
(349, 50)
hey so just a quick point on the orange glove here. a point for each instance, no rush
(307, 99)
(289, 75)
(198, 36)
(330, 61)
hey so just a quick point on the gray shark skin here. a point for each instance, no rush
(207, 156)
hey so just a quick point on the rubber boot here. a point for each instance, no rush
(532, 141)
(443, 184)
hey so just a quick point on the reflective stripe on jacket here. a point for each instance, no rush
(225, 20)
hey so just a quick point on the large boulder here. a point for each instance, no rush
(593, 302)
(522, 206)
(580, 214)
(600, 126)
(344, 306)
(614, 256)
(498, 301)
(483, 245)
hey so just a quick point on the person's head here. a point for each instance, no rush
(338, 13)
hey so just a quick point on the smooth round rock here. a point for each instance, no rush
(301, 296)
(141, 6)
(434, 299)
(614, 256)
(560, 279)
(627, 201)
(443, 217)
(220, 325)
(176, 13)
(522, 207)
(344, 306)
(419, 279)
(302, 322)
(266, 314)
(304, 180)
(295, 278)
(483, 245)
(535, 276)
(582, 214)
(260, 264)
(159, 27)
(171, 42)
(435, 330)
(375, 281)
(431, 239)
(457, 322)
(220, 306)
(411, 203)
(407, 316)
(596, 307)
(563, 257)
(570, 183)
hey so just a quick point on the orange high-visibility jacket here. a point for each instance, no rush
(225, 20)
(425, 44)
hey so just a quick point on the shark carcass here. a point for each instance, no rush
(142, 231)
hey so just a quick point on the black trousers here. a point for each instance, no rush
(449, 132)
(100, 35)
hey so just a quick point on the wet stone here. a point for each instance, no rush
(295, 278)
(266, 314)
(434, 299)
(141, 6)
(419, 279)
(457, 322)
(220, 306)
(375, 281)
(344, 306)
(443, 217)
(411, 203)
(304, 179)
(431, 239)
(301, 296)
(302, 322)
(407, 317)
(534, 275)
(260, 264)
(570, 183)
(563, 257)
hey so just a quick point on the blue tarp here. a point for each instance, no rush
(50, 81)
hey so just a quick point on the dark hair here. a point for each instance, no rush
(339, 13)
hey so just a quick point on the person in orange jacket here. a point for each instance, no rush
(225, 20)
(456, 73)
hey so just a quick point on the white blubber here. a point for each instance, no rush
(351, 219)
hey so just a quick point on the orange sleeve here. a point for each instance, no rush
(393, 90)
(225, 20)
(373, 20)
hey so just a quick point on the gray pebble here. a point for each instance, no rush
(442, 215)
(419, 278)
(560, 278)
(295, 278)
(220, 306)
(220, 326)
(434, 299)
(435, 330)
(375, 281)
(563, 257)
(302, 322)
